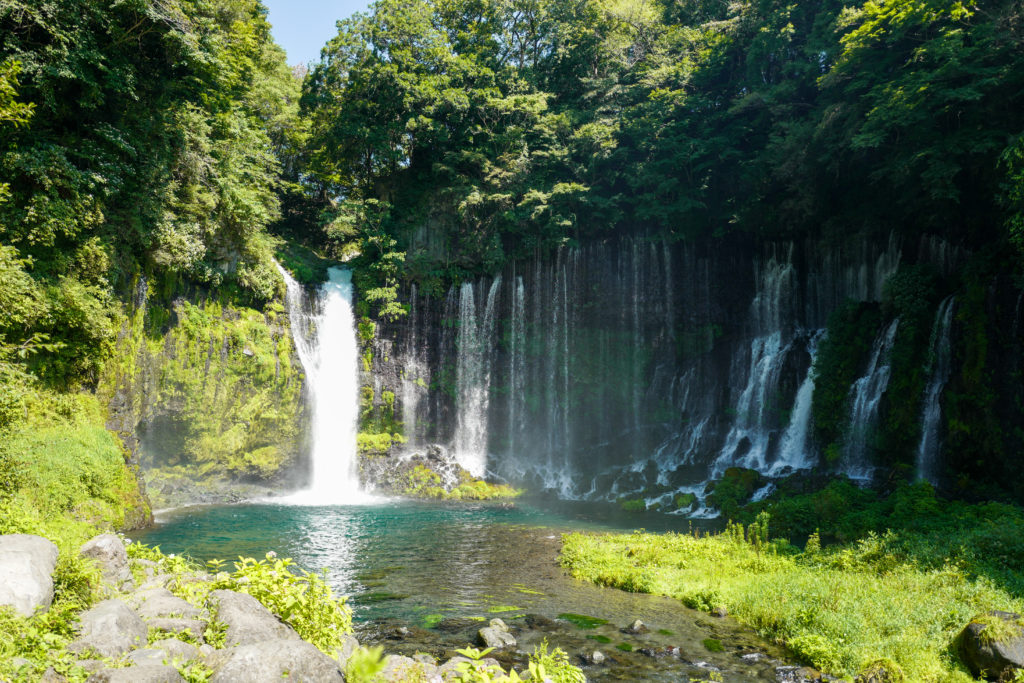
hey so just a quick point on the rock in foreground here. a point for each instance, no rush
(993, 645)
(26, 572)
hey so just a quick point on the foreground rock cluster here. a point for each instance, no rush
(144, 633)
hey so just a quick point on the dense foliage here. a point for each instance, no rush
(135, 137)
(466, 132)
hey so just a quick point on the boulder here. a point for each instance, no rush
(247, 620)
(993, 645)
(51, 676)
(193, 628)
(26, 572)
(108, 552)
(109, 629)
(796, 674)
(177, 650)
(349, 644)
(271, 661)
(147, 656)
(496, 635)
(398, 669)
(596, 657)
(636, 628)
(147, 673)
(155, 603)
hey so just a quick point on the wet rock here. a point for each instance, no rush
(753, 657)
(247, 620)
(109, 629)
(720, 612)
(540, 622)
(273, 660)
(26, 572)
(192, 628)
(455, 624)
(993, 645)
(496, 635)
(108, 552)
(147, 673)
(796, 674)
(596, 657)
(397, 633)
(636, 628)
(156, 603)
(659, 652)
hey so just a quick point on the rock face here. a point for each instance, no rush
(247, 620)
(271, 661)
(994, 655)
(109, 629)
(109, 553)
(26, 572)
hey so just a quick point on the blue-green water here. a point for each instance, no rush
(413, 565)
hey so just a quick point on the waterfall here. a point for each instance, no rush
(865, 396)
(413, 377)
(749, 439)
(475, 343)
(794, 452)
(940, 361)
(517, 365)
(325, 337)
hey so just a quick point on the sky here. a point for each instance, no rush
(302, 27)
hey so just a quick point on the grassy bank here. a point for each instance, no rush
(839, 609)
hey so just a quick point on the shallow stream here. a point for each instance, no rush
(425, 577)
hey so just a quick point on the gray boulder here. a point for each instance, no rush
(109, 629)
(270, 661)
(993, 645)
(349, 644)
(177, 650)
(193, 628)
(398, 669)
(156, 603)
(496, 635)
(108, 552)
(247, 620)
(26, 572)
(146, 673)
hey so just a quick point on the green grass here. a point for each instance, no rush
(838, 609)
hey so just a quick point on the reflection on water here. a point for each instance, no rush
(419, 564)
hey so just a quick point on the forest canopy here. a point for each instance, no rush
(481, 130)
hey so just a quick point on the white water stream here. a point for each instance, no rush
(325, 338)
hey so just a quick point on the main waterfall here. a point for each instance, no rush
(324, 331)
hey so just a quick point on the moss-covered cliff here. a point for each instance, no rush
(203, 388)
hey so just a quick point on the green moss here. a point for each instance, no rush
(712, 645)
(598, 638)
(633, 504)
(582, 620)
(423, 482)
(734, 489)
(841, 355)
(624, 647)
(997, 629)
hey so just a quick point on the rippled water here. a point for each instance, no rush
(422, 577)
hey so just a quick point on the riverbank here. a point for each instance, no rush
(884, 601)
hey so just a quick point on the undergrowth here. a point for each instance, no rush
(838, 608)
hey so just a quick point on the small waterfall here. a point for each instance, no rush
(940, 359)
(749, 439)
(795, 452)
(517, 365)
(865, 395)
(475, 344)
(325, 337)
(413, 377)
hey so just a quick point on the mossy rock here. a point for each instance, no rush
(735, 488)
(633, 504)
(992, 645)
(881, 671)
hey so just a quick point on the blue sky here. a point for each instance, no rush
(302, 27)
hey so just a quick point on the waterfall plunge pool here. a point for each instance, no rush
(424, 577)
